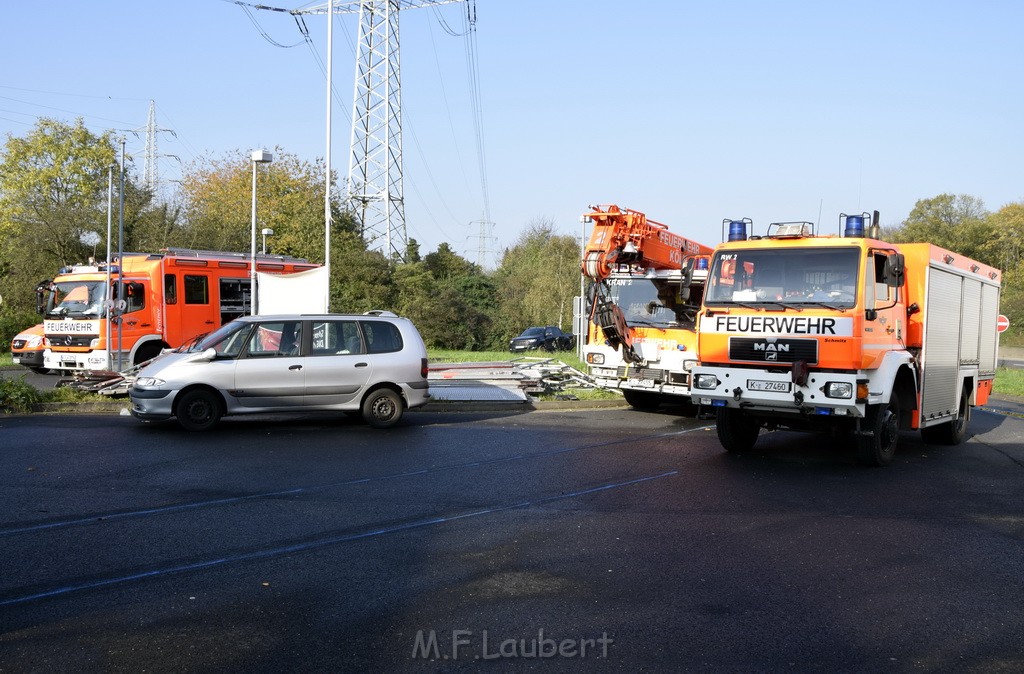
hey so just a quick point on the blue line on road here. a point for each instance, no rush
(322, 543)
(145, 512)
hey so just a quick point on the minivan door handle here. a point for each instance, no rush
(294, 367)
(362, 364)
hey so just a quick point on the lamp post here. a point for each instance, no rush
(266, 231)
(258, 157)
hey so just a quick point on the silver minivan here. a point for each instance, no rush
(374, 365)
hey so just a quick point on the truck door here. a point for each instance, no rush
(136, 317)
(198, 313)
(886, 331)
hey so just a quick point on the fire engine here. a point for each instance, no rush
(647, 283)
(166, 299)
(845, 333)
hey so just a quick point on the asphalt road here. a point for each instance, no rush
(606, 540)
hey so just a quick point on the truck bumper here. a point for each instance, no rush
(771, 393)
(640, 384)
(80, 360)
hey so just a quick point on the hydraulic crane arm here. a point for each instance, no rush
(624, 236)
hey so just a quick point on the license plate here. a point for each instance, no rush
(642, 383)
(772, 386)
(16, 360)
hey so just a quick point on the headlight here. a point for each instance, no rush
(33, 341)
(147, 382)
(706, 381)
(595, 358)
(838, 389)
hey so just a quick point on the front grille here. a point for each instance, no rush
(773, 349)
(71, 340)
(654, 374)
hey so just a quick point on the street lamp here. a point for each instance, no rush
(266, 232)
(258, 157)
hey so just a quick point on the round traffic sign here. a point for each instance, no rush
(1002, 323)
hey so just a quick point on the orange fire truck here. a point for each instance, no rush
(168, 298)
(845, 333)
(644, 300)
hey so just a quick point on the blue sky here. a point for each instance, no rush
(689, 112)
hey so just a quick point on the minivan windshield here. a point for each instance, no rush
(787, 277)
(228, 339)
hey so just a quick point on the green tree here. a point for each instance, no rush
(536, 280)
(53, 194)
(449, 299)
(957, 222)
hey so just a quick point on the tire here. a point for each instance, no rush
(952, 432)
(883, 421)
(736, 431)
(383, 408)
(198, 410)
(39, 370)
(642, 400)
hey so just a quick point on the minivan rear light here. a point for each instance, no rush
(423, 367)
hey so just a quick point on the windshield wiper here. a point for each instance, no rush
(825, 305)
(647, 323)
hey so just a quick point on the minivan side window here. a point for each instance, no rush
(381, 337)
(336, 338)
(275, 339)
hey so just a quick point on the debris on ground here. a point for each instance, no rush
(513, 380)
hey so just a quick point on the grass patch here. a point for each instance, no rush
(18, 396)
(1009, 381)
(440, 356)
(6, 359)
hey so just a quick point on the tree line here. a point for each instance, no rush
(54, 207)
(53, 212)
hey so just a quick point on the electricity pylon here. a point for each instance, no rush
(373, 188)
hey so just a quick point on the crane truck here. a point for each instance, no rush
(844, 333)
(644, 298)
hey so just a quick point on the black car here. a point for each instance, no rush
(547, 338)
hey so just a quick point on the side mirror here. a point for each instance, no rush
(684, 286)
(894, 269)
(204, 356)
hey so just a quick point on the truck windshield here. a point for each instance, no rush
(799, 277)
(650, 302)
(77, 299)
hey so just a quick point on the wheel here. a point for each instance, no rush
(382, 408)
(883, 422)
(736, 431)
(642, 400)
(198, 410)
(39, 370)
(952, 432)
(147, 352)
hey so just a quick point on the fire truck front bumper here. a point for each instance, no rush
(823, 394)
(75, 360)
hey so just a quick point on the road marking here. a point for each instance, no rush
(322, 543)
(100, 518)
